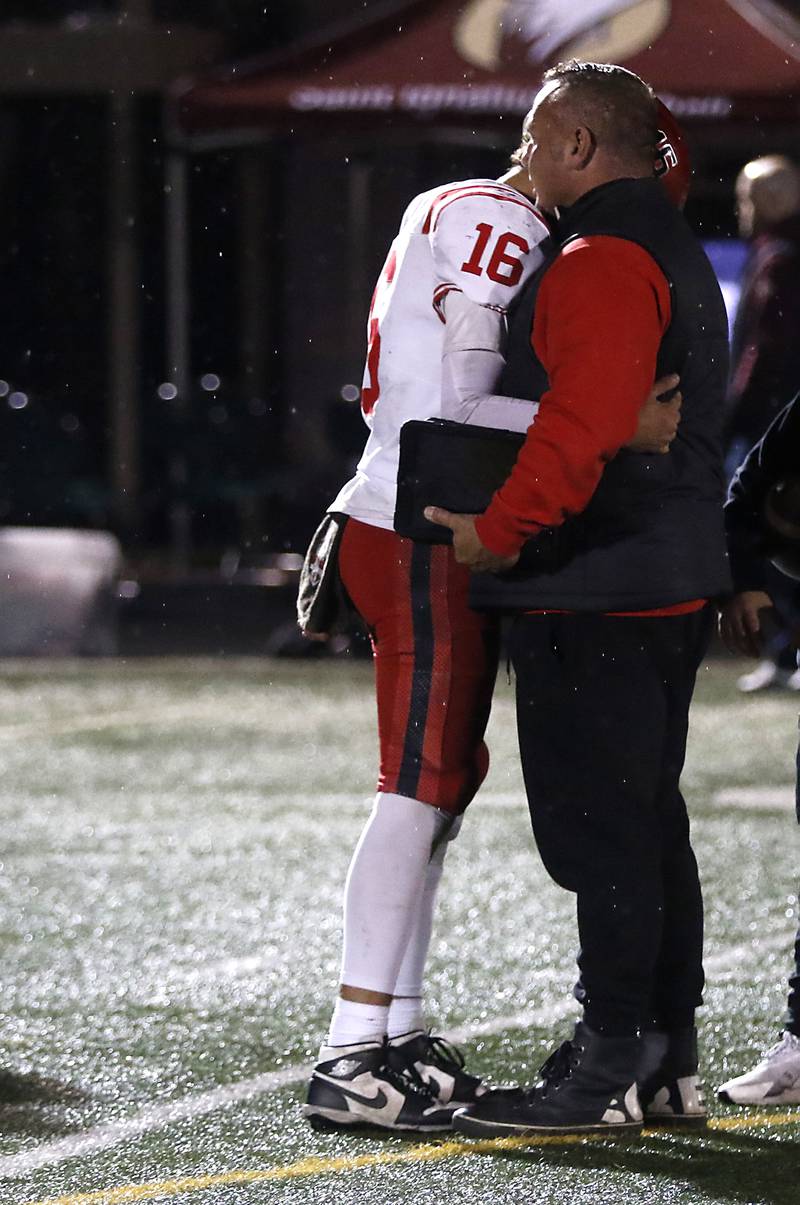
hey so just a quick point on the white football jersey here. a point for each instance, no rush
(478, 236)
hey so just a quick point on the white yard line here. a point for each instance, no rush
(221, 968)
(748, 798)
(729, 958)
(103, 720)
(155, 1117)
(767, 798)
(756, 798)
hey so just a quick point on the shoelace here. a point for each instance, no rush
(407, 1080)
(444, 1054)
(558, 1067)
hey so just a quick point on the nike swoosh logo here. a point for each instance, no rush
(378, 1101)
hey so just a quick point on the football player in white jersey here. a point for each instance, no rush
(436, 332)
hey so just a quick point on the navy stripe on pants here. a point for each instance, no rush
(411, 766)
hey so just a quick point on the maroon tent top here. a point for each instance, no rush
(451, 61)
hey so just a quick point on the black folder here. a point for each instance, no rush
(449, 464)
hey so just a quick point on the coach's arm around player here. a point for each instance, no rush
(470, 369)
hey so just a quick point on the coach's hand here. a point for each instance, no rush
(466, 542)
(740, 621)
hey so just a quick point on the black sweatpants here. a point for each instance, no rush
(602, 710)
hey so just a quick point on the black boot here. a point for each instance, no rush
(670, 1090)
(588, 1086)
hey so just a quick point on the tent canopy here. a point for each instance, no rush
(453, 62)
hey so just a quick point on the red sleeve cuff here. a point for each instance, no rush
(493, 532)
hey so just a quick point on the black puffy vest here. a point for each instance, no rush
(652, 534)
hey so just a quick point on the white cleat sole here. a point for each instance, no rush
(752, 1097)
(333, 1119)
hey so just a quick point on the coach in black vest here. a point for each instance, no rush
(609, 559)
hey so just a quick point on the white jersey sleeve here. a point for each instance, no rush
(473, 359)
(486, 240)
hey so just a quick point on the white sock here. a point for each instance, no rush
(406, 1010)
(405, 1015)
(384, 885)
(353, 1022)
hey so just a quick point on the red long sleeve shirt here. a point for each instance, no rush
(601, 312)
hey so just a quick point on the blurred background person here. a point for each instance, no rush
(765, 362)
(754, 504)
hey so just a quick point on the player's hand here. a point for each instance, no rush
(741, 619)
(658, 420)
(467, 546)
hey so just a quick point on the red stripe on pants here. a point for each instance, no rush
(450, 684)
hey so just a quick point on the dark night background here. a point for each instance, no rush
(53, 355)
(54, 359)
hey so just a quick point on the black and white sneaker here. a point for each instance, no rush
(354, 1088)
(439, 1064)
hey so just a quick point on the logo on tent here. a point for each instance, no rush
(520, 33)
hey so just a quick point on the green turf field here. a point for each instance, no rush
(175, 836)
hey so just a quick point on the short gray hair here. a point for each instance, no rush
(614, 103)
